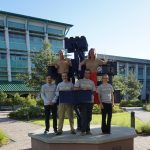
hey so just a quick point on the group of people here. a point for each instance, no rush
(103, 95)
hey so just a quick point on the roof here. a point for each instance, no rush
(15, 87)
(34, 18)
(124, 59)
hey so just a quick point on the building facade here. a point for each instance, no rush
(139, 67)
(20, 37)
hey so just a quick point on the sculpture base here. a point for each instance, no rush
(121, 138)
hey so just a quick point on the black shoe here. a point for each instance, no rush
(58, 133)
(82, 133)
(88, 133)
(55, 131)
(73, 132)
(46, 132)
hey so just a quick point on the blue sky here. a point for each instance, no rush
(115, 27)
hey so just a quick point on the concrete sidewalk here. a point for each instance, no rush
(18, 133)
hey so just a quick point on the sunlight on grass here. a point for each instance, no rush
(3, 138)
(119, 119)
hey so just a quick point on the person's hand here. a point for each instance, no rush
(101, 106)
(113, 104)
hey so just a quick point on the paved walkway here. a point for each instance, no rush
(18, 133)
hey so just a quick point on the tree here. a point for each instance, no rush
(129, 86)
(134, 87)
(40, 62)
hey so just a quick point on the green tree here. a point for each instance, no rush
(129, 86)
(40, 62)
(134, 87)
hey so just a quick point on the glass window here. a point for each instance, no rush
(36, 43)
(1, 22)
(56, 44)
(19, 38)
(16, 25)
(36, 28)
(140, 72)
(2, 36)
(2, 56)
(55, 31)
(122, 69)
(132, 68)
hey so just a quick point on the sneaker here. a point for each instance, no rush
(55, 131)
(73, 132)
(58, 133)
(82, 133)
(88, 133)
(46, 132)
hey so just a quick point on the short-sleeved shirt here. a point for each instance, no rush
(85, 84)
(105, 91)
(92, 65)
(64, 86)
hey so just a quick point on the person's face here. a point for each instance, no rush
(105, 78)
(64, 77)
(61, 54)
(87, 74)
(92, 53)
(48, 79)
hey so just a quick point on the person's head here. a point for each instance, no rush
(48, 79)
(105, 78)
(92, 53)
(61, 54)
(64, 76)
(87, 74)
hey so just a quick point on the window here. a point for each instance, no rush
(56, 44)
(2, 36)
(18, 38)
(122, 69)
(36, 28)
(16, 25)
(55, 31)
(2, 56)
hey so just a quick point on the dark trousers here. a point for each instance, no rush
(86, 116)
(77, 109)
(48, 110)
(106, 118)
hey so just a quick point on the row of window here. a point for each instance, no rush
(17, 25)
(18, 42)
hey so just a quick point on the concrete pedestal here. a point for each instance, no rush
(121, 138)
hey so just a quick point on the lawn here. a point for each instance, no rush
(119, 119)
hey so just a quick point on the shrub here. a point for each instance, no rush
(3, 138)
(131, 103)
(27, 113)
(146, 107)
(146, 128)
(97, 110)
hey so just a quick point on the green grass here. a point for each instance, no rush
(119, 119)
(3, 138)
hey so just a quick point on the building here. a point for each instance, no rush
(20, 37)
(140, 67)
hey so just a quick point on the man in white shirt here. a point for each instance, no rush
(48, 94)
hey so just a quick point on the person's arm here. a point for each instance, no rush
(43, 94)
(56, 94)
(81, 64)
(102, 62)
(99, 97)
(112, 98)
(69, 62)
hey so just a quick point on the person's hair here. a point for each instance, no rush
(64, 73)
(89, 57)
(105, 75)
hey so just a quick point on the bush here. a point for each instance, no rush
(146, 107)
(3, 138)
(31, 112)
(146, 128)
(131, 103)
(97, 110)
